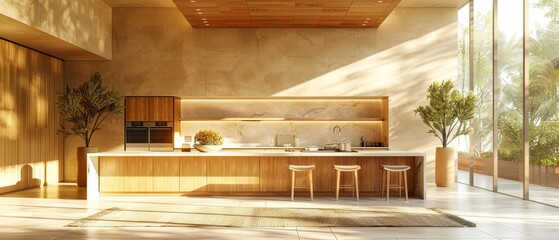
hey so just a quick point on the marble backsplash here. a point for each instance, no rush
(257, 134)
(303, 118)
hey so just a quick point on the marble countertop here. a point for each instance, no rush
(255, 152)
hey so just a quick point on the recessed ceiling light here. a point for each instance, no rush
(207, 24)
(198, 10)
(364, 24)
(192, 1)
(368, 19)
(380, 1)
(204, 19)
(200, 13)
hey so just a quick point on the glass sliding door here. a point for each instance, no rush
(544, 101)
(509, 92)
(463, 85)
(481, 144)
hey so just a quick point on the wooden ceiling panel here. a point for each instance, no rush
(285, 13)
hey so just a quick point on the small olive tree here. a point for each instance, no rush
(448, 111)
(87, 106)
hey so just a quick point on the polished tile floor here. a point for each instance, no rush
(43, 213)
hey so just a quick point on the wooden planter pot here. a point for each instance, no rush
(82, 164)
(445, 169)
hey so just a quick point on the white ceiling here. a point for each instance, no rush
(169, 3)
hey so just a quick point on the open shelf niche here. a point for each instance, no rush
(251, 121)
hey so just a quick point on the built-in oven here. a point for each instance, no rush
(136, 136)
(161, 137)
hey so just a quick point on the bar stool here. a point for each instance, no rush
(355, 185)
(301, 168)
(401, 170)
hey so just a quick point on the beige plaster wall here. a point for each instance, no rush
(83, 23)
(155, 52)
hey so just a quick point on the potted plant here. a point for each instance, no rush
(208, 141)
(447, 117)
(86, 107)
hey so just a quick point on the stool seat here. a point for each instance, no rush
(301, 168)
(347, 168)
(401, 170)
(354, 186)
(396, 168)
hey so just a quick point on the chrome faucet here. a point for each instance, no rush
(339, 130)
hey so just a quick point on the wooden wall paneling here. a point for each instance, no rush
(111, 174)
(36, 121)
(302, 178)
(138, 174)
(248, 174)
(20, 74)
(54, 164)
(137, 109)
(275, 175)
(166, 174)
(193, 171)
(162, 109)
(4, 88)
(25, 120)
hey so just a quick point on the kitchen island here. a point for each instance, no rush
(241, 172)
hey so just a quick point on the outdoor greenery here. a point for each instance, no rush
(87, 106)
(208, 137)
(448, 111)
(543, 89)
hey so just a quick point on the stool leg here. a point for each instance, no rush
(337, 184)
(406, 184)
(292, 184)
(399, 184)
(387, 185)
(382, 183)
(310, 182)
(356, 185)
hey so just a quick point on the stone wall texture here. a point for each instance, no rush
(156, 52)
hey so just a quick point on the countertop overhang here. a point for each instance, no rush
(271, 153)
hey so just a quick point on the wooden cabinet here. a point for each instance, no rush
(240, 175)
(275, 175)
(111, 175)
(161, 109)
(137, 108)
(193, 174)
(151, 108)
(166, 174)
(233, 174)
(138, 174)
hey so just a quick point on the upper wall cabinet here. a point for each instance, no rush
(150, 108)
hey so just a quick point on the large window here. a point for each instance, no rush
(509, 67)
(544, 101)
(498, 79)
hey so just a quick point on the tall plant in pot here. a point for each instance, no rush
(86, 107)
(447, 117)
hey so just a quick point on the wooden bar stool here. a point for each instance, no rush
(401, 170)
(301, 168)
(355, 185)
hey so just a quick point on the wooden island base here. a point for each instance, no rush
(222, 174)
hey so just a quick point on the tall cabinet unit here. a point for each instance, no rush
(154, 114)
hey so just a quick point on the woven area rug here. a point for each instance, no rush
(272, 217)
